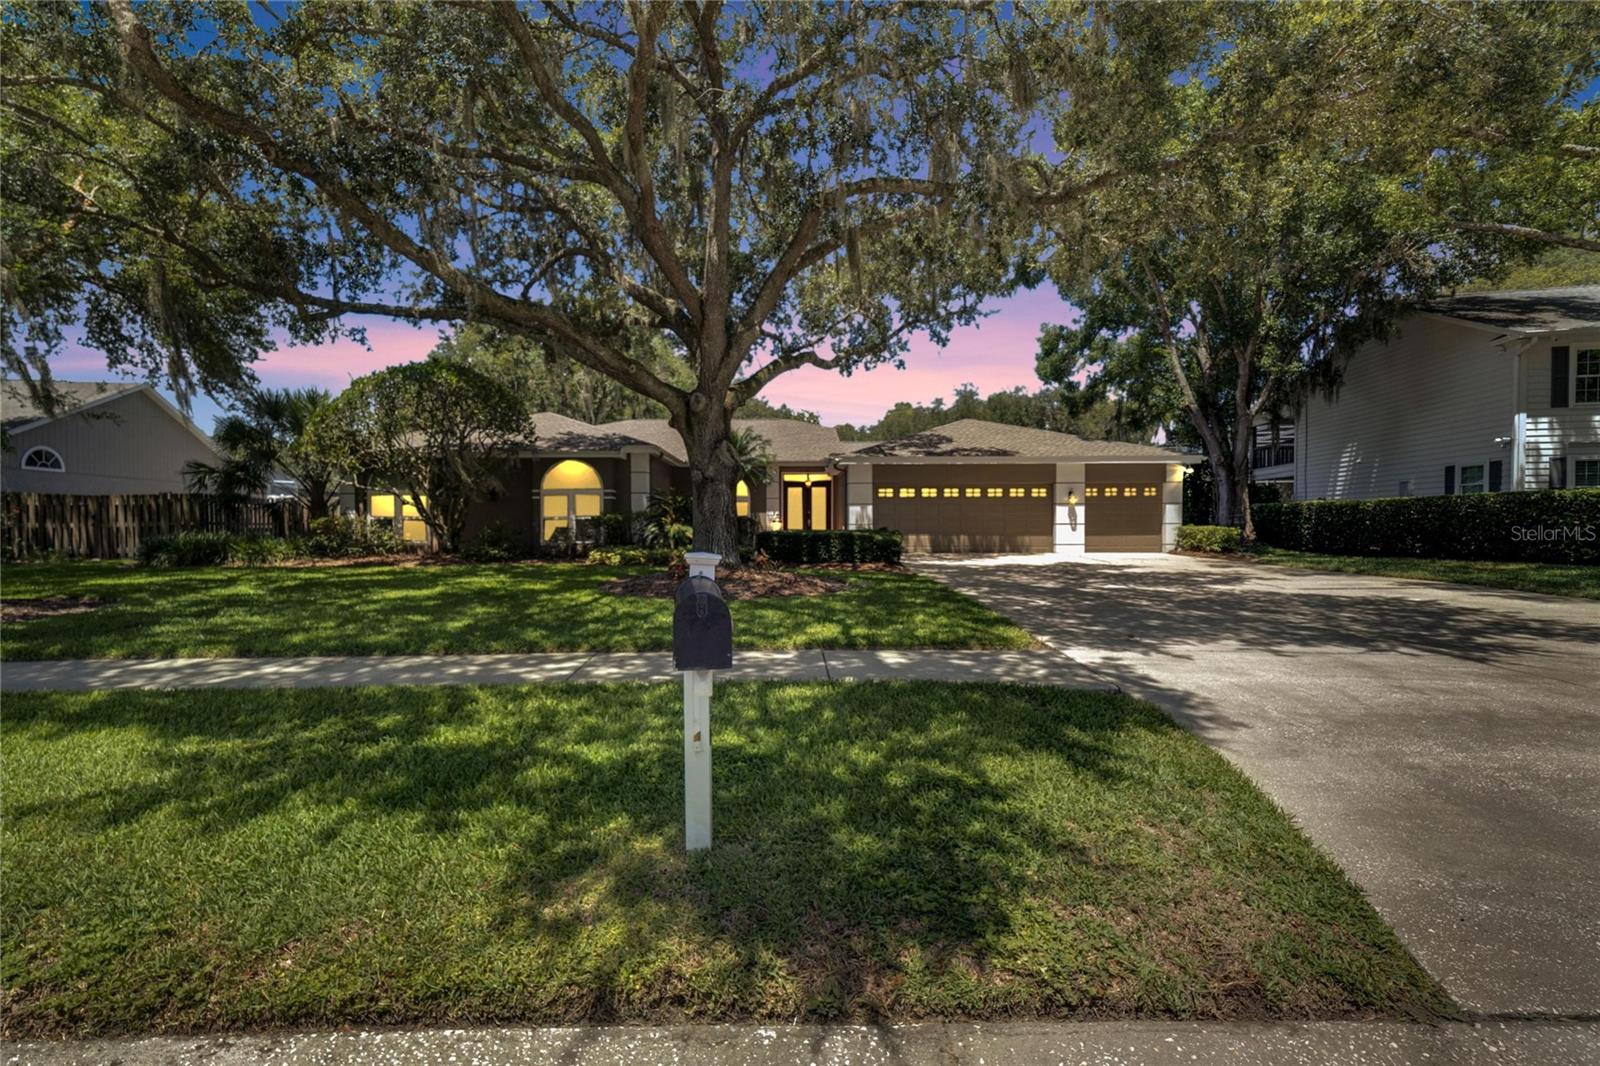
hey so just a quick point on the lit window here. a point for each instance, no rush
(972, 493)
(929, 492)
(42, 458)
(1038, 492)
(1588, 390)
(1091, 491)
(994, 493)
(1472, 478)
(885, 492)
(908, 493)
(1149, 490)
(1586, 473)
(950, 493)
(569, 490)
(1016, 492)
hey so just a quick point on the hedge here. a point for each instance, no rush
(1548, 526)
(794, 547)
(1216, 539)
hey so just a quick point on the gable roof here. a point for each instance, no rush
(558, 433)
(19, 410)
(976, 438)
(1526, 310)
(789, 440)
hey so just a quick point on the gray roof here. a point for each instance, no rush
(18, 407)
(1526, 311)
(558, 433)
(975, 438)
(789, 440)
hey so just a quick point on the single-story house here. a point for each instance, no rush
(1486, 392)
(970, 486)
(107, 438)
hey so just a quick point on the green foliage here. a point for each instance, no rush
(1554, 526)
(794, 547)
(1064, 409)
(437, 431)
(345, 537)
(617, 528)
(265, 436)
(262, 551)
(666, 521)
(191, 548)
(1550, 268)
(630, 556)
(494, 543)
(1214, 539)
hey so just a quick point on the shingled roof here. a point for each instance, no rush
(789, 440)
(18, 407)
(1526, 310)
(975, 438)
(558, 433)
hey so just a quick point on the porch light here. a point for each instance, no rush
(1072, 499)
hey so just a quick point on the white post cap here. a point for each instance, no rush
(702, 564)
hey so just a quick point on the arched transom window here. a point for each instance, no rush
(42, 458)
(570, 490)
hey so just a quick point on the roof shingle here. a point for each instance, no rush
(975, 438)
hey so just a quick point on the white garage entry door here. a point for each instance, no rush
(967, 507)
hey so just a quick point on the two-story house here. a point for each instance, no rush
(1488, 392)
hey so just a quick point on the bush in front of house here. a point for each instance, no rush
(190, 548)
(630, 555)
(793, 547)
(1212, 539)
(494, 543)
(344, 537)
(1547, 526)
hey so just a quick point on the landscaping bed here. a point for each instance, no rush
(196, 861)
(742, 584)
(461, 608)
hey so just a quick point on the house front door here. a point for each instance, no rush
(807, 500)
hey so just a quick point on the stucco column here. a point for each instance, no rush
(1069, 515)
(1171, 506)
(858, 496)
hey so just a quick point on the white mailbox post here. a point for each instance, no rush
(697, 685)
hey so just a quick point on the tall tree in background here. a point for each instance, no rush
(1094, 415)
(265, 437)
(1234, 284)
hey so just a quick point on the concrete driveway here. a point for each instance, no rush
(1441, 742)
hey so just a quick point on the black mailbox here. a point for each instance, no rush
(702, 632)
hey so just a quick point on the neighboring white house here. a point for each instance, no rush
(108, 438)
(1487, 392)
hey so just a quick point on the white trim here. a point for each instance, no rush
(59, 468)
(1570, 478)
(1572, 375)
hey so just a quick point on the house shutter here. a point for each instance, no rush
(1449, 481)
(1560, 370)
(1495, 468)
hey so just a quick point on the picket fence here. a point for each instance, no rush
(111, 527)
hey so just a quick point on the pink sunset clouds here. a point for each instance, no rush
(996, 353)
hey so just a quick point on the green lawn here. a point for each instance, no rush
(199, 860)
(1552, 578)
(388, 610)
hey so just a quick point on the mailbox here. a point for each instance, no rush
(702, 631)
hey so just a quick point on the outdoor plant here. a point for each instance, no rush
(1214, 539)
(495, 543)
(794, 547)
(630, 556)
(267, 435)
(190, 548)
(344, 536)
(666, 521)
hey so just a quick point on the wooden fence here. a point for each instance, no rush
(109, 527)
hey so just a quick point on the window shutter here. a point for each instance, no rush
(1558, 472)
(1496, 466)
(1560, 370)
(1449, 481)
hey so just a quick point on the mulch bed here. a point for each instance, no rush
(47, 607)
(735, 585)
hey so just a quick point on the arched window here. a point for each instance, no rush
(42, 458)
(741, 500)
(570, 490)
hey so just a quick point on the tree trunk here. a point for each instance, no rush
(1227, 499)
(712, 473)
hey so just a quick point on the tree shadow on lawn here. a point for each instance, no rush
(882, 850)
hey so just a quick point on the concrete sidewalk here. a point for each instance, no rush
(1505, 1043)
(1034, 666)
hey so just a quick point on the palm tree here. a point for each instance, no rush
(752, 456)
(264, 437)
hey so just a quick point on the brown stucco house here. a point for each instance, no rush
(970, 486)
(106, 438)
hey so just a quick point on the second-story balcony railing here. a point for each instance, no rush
(1271, 455)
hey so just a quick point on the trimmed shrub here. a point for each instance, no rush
(1215, 539)
(495, 543)
(617, 529)
(628, 555)
(191, 548)
(794, 547)
(1549, 526)
(259, 551)
(343, 537)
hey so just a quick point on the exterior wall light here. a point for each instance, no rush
(1072, 499)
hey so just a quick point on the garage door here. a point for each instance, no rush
(1122, 507)
(962, 508)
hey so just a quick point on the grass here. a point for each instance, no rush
(390, 610)
(1554, 579)
(206, 860)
